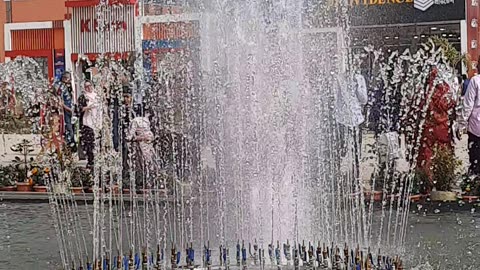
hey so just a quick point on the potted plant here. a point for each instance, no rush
(444, 166)
(111, 187)
(38, 177)
(23, 164)
(7, 174)
(80, 178)
(419, 185)
(470, 187)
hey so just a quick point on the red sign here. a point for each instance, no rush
(169, 31)
(87, 25)
(472, 34)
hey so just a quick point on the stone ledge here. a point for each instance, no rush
(42, 197)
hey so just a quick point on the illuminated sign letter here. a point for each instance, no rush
(85, 25)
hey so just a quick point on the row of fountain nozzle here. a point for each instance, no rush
(299, 256)
(323, 258)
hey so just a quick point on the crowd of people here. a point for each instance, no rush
(436, 118)
(103, 118)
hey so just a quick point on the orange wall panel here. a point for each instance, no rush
(169, 31)
(32, 39)
(38, 10)
(58, 39)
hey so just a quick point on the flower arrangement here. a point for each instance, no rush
(23, 163)
(37, 176)
(81, 177)
(7, 175)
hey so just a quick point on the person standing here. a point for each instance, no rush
(465, 83)
(437, 104)
(90, 120)
(470, 121)
(51, 122)
(64, 89)
(351, 98)
(5, 100)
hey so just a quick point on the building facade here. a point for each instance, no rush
(89, 37)
(36, 29)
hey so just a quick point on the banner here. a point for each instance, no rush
(59, 64)
(383, 12)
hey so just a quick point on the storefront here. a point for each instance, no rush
(90, 39)
(473, 13)
(42, 41)
(167, 34)
(170, 42)
(402, 24)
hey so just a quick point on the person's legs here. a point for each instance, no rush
(474, 154)
(356, 151)
(88, 143)
(69, 135)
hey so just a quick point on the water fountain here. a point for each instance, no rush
(250, 153)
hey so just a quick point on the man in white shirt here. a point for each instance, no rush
(352, 96)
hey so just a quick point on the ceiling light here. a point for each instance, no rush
(434, 28)
(442, 29)
(387, 37)
(415, 37)
(444, 35)
(450, 35)
(423, 36)
(396, 37)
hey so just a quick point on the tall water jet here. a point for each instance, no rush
(271, 85)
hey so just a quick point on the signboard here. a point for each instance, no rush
(472, 34)
(88, 25)
(171, 35)
(116, 35)
(383, 12)
(59, 64)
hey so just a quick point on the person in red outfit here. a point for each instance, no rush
(436, 130)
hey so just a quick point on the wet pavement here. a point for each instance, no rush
(440, 236)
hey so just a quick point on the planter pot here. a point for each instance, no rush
(443, 196)
(90, 190)
(470, 199)
(8, 188)
(415, 198)
(77, 190)
(40, 188)
(143, 191)
(115, 189)
(394, 196)
(377, 196)
(24, 187)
